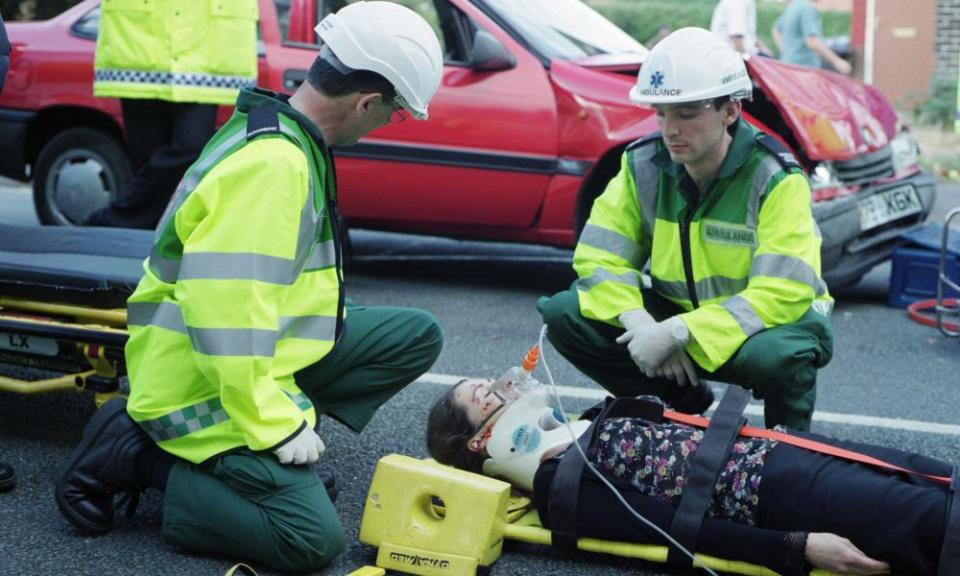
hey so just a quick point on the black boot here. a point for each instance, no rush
(692, 399)
(102, 466)
(8, 478)
(329, 479)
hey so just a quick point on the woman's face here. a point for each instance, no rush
(477, 398)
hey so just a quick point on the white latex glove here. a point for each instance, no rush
(651, 344)
(835, 554)
(636, 318)
(304, 448)
(679, 368)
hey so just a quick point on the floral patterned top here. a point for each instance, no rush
(654, 458)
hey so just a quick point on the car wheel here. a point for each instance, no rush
(79, 171)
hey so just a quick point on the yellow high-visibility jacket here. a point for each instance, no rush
(744, 258)
(200, 51)
(242, 289)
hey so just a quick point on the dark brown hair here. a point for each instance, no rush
(326, 79)
(448, 431)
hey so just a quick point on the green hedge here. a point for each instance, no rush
(641, 18)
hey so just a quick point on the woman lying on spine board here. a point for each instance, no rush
(774, 504)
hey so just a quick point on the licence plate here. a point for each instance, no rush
(887, 206)
(28, 344)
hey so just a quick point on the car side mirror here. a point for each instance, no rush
(489, 54)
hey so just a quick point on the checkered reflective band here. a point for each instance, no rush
(202, 415)
(174, 79)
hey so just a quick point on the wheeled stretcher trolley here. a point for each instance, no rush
(948, 309)
(63, 316)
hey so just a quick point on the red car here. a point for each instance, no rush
(525, 131)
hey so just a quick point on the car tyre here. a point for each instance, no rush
(78, 171)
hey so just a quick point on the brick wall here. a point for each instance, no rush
(947, 43)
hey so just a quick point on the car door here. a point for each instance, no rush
(484, 158)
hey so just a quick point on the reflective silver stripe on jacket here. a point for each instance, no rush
(322, 256)
(201, 415)
(768, 168)
(612, 242)
(308, 327)
(743, 312)
(235, 340)
(646, 178)
(191, 79)
(169, 269)
(163, 315)
(239, 266)
(787, 268)
(707, 288)
(630, 278)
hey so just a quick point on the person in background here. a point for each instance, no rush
(241, 334)
(170, 62)
(735, 21)
(799, 36)
(662, 32)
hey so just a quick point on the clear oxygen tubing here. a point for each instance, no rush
(556, 396)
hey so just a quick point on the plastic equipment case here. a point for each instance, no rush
(916, 267)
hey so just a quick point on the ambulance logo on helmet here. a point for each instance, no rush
(656, 79)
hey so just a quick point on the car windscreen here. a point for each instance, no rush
(565, 29)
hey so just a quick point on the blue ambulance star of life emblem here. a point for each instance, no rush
(656, 79)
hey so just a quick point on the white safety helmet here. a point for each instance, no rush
(689, 65)
(391, 40)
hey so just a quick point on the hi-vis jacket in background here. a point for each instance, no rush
(745, 258)
(242, 289)
(199, 51)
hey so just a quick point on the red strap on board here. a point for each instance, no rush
(812, 445)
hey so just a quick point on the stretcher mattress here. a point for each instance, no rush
(96, 267)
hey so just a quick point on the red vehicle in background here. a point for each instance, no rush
(526, 130)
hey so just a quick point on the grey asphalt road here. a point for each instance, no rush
(891, 382)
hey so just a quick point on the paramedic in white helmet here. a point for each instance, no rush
(240, 333)
(721, 214)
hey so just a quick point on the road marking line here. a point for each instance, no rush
(753, 409)
(460, 258)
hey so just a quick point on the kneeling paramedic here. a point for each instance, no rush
(722, 214)
(240, 334)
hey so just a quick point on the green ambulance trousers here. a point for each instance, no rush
(779, 365)
(246, 505)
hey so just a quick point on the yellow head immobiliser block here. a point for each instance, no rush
(416, 536)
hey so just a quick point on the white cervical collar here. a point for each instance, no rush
(528, 428)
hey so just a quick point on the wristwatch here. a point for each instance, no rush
(679, 331)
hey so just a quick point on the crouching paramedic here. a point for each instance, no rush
(240, 336)
(722, 214)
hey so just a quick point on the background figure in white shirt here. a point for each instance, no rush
(736, 22)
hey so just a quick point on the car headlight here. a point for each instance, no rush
(824, 176)
(904, 151)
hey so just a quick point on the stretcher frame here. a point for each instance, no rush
(62, 307)
(947, 308)
(416, 534)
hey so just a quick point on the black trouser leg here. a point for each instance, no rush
(890, 517)
(164, 139)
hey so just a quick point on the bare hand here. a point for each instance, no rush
(835, 554)
(842, 66)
